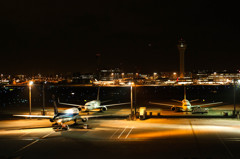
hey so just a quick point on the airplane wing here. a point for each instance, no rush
(74, 105)
(88, 116)
(204, 105)
(35, 116)
(164, 104)
(109, 105)
(105, 101)
(176, 100)
(194, 100)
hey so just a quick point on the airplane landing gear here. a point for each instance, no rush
(60, 127)
(85, 126)
(65, 127)
(75, 121)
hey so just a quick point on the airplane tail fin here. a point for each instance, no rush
(55, 105)
(185, 96)
(98, 93)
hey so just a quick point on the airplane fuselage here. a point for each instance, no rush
(94, 104)
(186, 105)
(66, 115)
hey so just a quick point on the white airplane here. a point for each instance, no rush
(94, 104)
(60, 118)
(186, 105)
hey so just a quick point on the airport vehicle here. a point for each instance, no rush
(91, 105)
(142, 113)
(60, 118)
(186, 105)
(199, 110)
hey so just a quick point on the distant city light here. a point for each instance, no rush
(30, 83)
(130, 83)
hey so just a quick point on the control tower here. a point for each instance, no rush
(181, 48)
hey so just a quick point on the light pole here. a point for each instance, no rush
(234, 97)
(44, 96)
(30, 96)
(154, 75)
(135, 95)
(122, 75)
(174, 75)
(131, 83)
(135, 99)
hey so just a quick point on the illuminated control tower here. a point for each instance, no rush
(181, 48)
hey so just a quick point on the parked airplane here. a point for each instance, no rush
(60, 118)
(94, 104)
(186, 105)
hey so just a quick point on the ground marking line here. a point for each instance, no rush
(27, 145)
(25, 134)
(225, 145)
(122, 132)
(46, 135)
(129, 132)
(114, 133)
(196, 139)
(33, 142)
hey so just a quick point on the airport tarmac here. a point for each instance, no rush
(118, 137)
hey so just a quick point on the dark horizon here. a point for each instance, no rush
(59, 36)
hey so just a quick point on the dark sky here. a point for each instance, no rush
(64, 36)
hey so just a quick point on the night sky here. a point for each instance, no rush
(65, 36)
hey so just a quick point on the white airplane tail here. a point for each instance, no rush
(98, 93)
(185, 96)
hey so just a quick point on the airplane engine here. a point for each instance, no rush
(103, 109)
(84, 119)
(173, 108)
